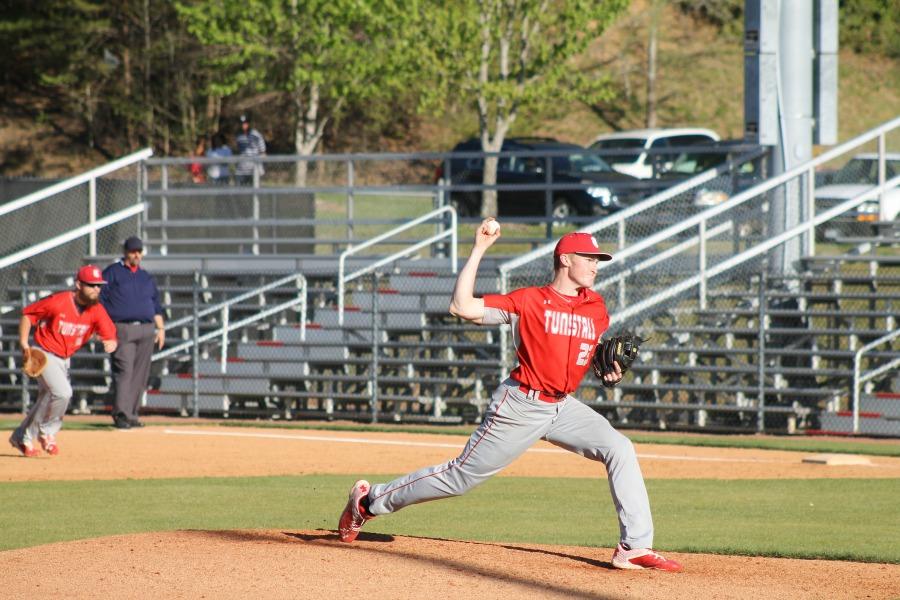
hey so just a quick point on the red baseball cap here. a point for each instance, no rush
(89, 274)
(580, 243)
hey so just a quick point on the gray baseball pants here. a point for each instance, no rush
(131, 365)
(514, 421)
(45, 416)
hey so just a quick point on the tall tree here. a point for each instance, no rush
(126, 70)
(503, 57)
(322, 54)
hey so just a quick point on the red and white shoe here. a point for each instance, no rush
(643, 558)
(48, 443)
(27, 450)
(354, 515)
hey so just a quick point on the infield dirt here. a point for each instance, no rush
(313, 564)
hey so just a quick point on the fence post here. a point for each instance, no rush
(92, 215)
(350, 183)
(761, 356)
(620, 229)
(375, 276)
(226, 314)
(702, 266)
(810, 210)
(256, 166)
(195, 375)
(857, 363)
(548, 195)
(143, 185)
(164, 211)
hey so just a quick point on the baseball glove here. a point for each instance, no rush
(35, 362)
(622, 349)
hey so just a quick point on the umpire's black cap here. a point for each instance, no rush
(133, 243)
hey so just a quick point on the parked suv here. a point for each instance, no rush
(605, 190)
(858, 175)
(703, 157)
(637, 149)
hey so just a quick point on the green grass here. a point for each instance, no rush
(791, 444)
(850, 519)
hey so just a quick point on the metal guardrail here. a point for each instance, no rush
(859, 379)
(343, 279)
(761, 248)
(619, 218)
(228, 326)
(93, 225)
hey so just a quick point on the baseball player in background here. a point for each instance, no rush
(556, 329)
(65, 322)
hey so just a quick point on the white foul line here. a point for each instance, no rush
(353, 440)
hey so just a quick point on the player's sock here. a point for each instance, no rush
(364, 504)
(625, 546)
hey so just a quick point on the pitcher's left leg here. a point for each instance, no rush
(581, 430)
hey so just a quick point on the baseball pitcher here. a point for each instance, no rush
(556, 332)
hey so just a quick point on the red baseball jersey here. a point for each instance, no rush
(62, 329)
(555, 335)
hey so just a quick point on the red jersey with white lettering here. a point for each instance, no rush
(555, 335)
(62, 329)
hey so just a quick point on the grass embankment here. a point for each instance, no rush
(830, 518)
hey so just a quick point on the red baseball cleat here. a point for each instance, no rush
(27, 450)
(643, 558)
(48, 443)
(354, 515)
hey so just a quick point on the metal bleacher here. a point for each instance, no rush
(430, 367)
(735, 344)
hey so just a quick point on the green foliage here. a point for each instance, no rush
(510, 55)
(871, 26)
(325, 55)
(801, 519)
(865, 25)
(125, 70)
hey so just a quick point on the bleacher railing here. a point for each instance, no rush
(43, 229)
(638, 245)
(860, 377)
(444, 233)
(668, 252)
(227, 326)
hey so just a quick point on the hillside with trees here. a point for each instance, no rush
(87, 81)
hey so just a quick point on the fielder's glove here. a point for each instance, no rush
(35, 362)
(622, 349)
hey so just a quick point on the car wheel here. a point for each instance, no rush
(563, 210)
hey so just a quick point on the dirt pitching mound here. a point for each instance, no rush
(314, 564)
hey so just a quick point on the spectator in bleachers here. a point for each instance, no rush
(250, 143)
(196, 169)
(218, 173)
(132, 300)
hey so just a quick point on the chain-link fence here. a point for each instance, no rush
(687, 274)
(53, 229)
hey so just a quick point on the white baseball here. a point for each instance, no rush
(492, 227)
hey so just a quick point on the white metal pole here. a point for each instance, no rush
(92, 215)
(702, 256)
(226, 313)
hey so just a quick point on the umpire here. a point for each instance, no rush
(132, 300)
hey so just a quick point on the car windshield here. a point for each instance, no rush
(622, 145)
(864, 170)
(581, 163)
